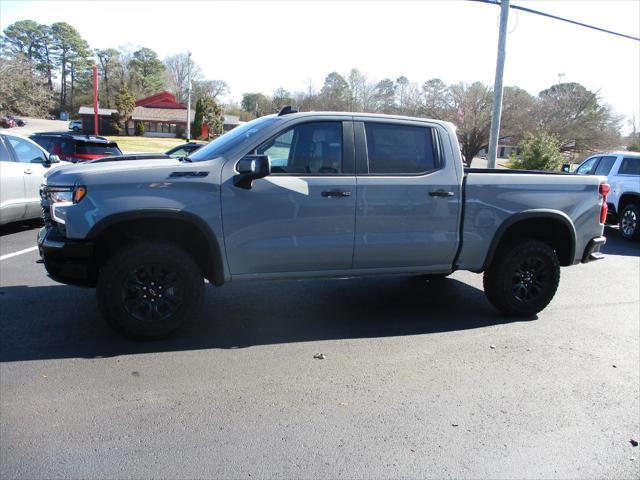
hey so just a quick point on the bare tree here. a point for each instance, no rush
(177, 71)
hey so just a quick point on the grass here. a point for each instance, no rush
(145, 144)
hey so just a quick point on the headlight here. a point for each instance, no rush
(68, 195)
(61, 197)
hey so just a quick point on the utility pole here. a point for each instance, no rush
(189, 96)
(497, 86)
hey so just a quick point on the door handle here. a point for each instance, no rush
(28, 171)
(441, 193)
(336, 193)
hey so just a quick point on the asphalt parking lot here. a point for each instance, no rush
(419, 380)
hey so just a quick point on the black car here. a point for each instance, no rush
(185, 149)
(132, 156)
(76, 148)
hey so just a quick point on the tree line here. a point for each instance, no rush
(47, 69)
(569, 112)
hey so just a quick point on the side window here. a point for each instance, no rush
(26, 151)
(630, 166)
(309, 148)
(587, 166)
(400, 149)
(4, 153)
(605, 165)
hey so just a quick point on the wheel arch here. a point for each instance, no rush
(182, 228)
(551, 226)
(627, 198)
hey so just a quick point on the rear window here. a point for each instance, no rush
(400, 149)
(630, 166)
(97, 149)
(604, 167)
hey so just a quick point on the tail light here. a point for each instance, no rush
(604, 191)
(83, 157)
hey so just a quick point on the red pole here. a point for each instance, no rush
(95, 99)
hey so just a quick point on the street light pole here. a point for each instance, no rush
(188, 96)
(497, 86)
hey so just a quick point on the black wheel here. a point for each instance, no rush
(149, 290)
(524, 279)
(630, 222)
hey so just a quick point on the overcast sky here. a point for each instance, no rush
(259, 46)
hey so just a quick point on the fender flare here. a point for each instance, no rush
(530, 215)
(213, 244)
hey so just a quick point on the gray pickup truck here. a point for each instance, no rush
(310, 195)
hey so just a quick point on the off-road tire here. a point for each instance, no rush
(630, 222)
(149, 290)
(523, 280)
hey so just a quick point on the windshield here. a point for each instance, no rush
(231, 139)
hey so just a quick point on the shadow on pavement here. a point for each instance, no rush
(63, 322)
(617, 245)
(17, 227)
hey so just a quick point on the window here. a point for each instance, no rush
(4, 153)
(630, 166)
(26, 151)
(587, 166)
(400, 149)
(310, 148)
(604, 167)
(98, 149)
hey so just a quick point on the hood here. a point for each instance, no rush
(120, 172)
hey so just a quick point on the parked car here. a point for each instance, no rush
(185, 149)
(7, 122)
(622, 170)
(76, 148)
(19, 122)
(23, 164)
(132, 156)
(307, 195)
(75, 125)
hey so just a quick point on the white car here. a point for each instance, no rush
(75, 125)
(623, 174)
(23, 164)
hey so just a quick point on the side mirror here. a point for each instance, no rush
(250, 168)
(53, 158)
(566, 168)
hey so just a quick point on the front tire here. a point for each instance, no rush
(149, 290)
(523, 281)
(630, 222)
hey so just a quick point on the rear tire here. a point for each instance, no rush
(149, 290)
(523, 281)
(630, 222)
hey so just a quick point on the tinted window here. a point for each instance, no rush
(56, 145)
(310, 148)
(587, 166)
(25, 150)
(630, 166)
(97, 149)
(4, 153)
(604, 167)
(400, 149)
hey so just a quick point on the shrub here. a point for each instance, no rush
(139, 130)
(537, 151)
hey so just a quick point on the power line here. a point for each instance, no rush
(562, 19)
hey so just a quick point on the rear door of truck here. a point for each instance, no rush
(408, 196)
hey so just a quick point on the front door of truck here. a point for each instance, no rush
(301, 217)
(408, 197)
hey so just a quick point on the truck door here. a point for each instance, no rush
(408, 197)
(301, 217)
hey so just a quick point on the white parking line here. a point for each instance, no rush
(20, 252)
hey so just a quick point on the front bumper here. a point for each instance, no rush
(66, 261)
(592, 251)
